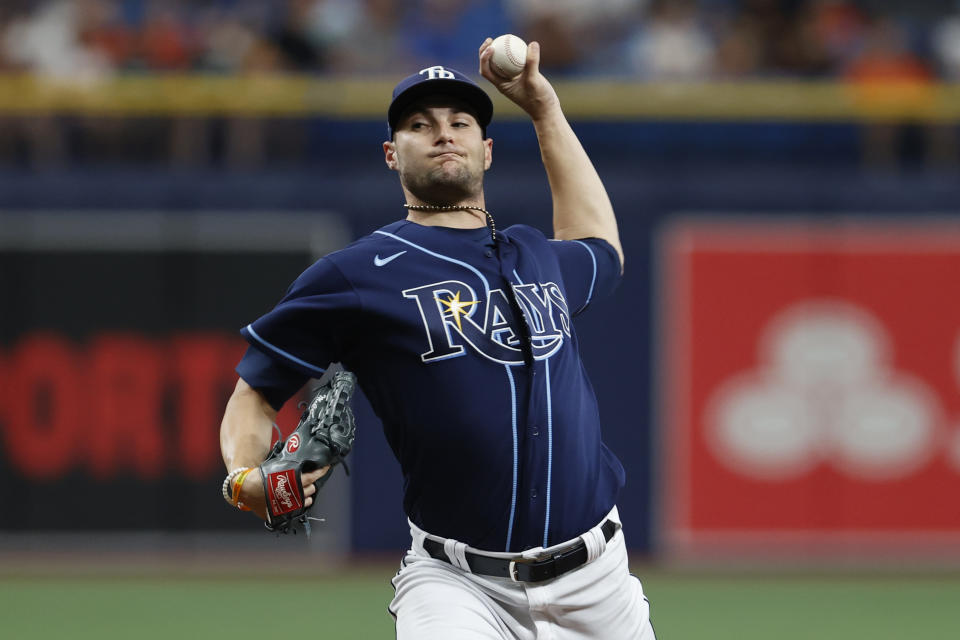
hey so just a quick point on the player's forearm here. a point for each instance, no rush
(247, 428)
(581, 207)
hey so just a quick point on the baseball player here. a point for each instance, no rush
(461, 336)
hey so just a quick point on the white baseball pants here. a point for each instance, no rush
(437, 601)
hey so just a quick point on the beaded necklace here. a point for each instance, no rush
(456, 207)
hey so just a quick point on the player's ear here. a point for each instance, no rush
(487, 153)
(390, 154)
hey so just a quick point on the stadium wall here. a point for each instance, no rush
(659, 175)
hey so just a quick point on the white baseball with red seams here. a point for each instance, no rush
(509, 55)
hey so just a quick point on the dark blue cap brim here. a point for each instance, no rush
(468, 92)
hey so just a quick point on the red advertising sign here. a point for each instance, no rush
(118, 342)
(122, 404)
(811, 395)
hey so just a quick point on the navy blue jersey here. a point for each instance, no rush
(467, 353)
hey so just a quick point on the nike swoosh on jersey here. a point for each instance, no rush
(377, 260)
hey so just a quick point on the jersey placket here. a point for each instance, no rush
(533, 476)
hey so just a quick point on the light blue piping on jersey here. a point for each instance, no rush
(516, 458)
(283, 353)
(593, 280)
(546, 524)
(486, 285)
(546, 363)
(513, 418)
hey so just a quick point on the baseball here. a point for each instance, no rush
(509, 56)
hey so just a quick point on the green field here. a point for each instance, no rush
(352, 604)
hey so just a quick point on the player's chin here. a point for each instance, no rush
(449, 177)
(458, 173)
(444, 183)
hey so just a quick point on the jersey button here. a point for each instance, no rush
(488, 253)
(533, 494)
(536, 431)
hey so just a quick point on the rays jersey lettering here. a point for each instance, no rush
(454, 317)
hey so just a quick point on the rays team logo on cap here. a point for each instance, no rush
(436, 72)
(293, 443)
(438, 80)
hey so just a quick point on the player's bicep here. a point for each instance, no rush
(590, 268)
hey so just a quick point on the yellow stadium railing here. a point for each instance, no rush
(599, 99)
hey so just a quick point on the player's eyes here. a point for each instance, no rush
(461, 124)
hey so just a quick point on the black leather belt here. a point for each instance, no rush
(522, 569)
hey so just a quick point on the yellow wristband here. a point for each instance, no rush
(237, 485)
(228, 484)
(235, 488)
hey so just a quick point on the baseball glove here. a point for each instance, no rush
(323, 437)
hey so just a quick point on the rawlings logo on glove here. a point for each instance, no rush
(279, 496)
(323, 438)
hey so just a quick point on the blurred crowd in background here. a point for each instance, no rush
(644, 39)
(649, 41)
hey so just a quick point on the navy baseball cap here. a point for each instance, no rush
(438, 80)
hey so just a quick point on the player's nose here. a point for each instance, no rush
(445, 133)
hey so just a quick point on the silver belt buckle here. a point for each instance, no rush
(513, 570)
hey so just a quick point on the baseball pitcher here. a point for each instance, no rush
(461, 334)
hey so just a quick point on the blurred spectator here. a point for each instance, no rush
(892, 87)
(887, 57)
(449, 32)
(100, 26)
(561, 49)
(48, 42)
(771, 25)
(946, 45)
(739, 51)
(839, 26)
(575, 36)
(227, 43)
(672, 44)
(800, 48)
(294, 40)
(330, 24)
(167, 43)
(6, 63)
(370, 41)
